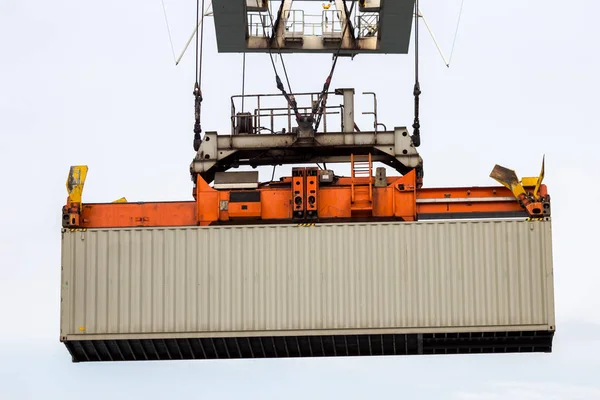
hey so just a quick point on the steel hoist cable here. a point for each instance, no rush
(168, 30)
(281, 55)
(416, 138)
(243, 79)
(288, 96)
(198, 84)
(462, 3)
(321, 103)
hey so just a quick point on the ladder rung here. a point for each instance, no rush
(362, 175)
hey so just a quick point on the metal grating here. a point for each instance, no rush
(309, 346)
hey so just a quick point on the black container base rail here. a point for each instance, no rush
(310, 346)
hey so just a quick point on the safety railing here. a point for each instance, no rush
(330, 24)
(333, 24)
(294, 24)
(367, 25)
(264, 113)
(298, 24)
(376, 123)
(260, 24)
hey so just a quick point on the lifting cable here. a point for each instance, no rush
(198, 83)
(288, 96)
(437, 45)
(279, 51)
(417, 89)
(462, 3)
(322, 99)
(169, 30)
(243, 79)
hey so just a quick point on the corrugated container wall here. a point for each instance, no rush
(125, 291)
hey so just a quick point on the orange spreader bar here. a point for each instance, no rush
(301, 199)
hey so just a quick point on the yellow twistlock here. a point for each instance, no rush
(75, 182)
(509, 179)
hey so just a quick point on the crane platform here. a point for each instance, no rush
(259, 26)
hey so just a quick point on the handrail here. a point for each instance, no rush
(261, 109)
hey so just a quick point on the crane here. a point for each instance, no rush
(293, 129)
(233, 273)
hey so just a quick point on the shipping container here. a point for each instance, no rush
(305, 291)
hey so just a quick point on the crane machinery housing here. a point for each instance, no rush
(312, 264)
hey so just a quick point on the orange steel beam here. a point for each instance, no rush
(124, 215)
(276, 202)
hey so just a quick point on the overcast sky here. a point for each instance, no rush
(95, 83)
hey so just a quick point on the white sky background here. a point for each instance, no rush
(94, 83)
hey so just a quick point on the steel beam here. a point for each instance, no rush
(222, 152)
(348, 119)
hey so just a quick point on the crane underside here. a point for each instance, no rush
(257, 26)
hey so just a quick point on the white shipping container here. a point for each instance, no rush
(287, 290)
